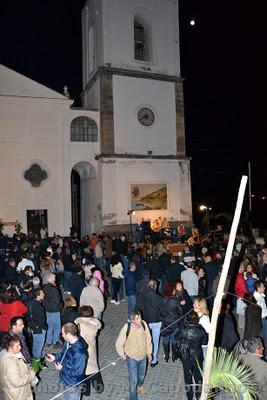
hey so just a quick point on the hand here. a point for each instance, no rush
(50, 357)
(123, 357)
(149, 358)
(58, 367)
(182, 302)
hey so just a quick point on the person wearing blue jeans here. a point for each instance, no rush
(52, 305)
(134, 345)
(54, 327)
(152, 307)
(130, 286)
(259, 295)
(36, 321)
(155, 330)
(38, 340)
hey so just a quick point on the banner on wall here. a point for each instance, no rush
(149, 196)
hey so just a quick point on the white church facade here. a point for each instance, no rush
(123, 151)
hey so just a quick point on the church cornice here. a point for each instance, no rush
(142, 156)
(145, 74)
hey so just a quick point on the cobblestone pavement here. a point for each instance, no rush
(162, 382)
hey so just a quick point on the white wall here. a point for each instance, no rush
(130, 136)
(118, 174)
(38, 130)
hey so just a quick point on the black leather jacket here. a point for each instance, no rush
(195, 336)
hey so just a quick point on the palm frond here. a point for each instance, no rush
(231, 376)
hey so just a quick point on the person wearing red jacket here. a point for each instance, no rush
(10, 307)
(240, 291)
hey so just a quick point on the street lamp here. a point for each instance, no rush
(130, 213)
(205, 208)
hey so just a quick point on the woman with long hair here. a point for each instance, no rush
(15, 376)
(183, 296)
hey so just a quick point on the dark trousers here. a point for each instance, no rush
(97, 383)
(191, 369)
(116, 283)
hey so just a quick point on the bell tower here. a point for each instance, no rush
(131, 75)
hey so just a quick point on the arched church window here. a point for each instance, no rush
(83, 129)
(142, 39)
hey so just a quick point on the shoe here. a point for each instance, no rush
(174, 352)
(141, 390)
(153, 365)
(117, 303)
(166, 348)
(113, 301)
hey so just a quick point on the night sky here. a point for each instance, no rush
(223, 61)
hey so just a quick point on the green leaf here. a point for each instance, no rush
(230, 375)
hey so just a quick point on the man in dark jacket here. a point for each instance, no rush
(36, 320)
(70, 362)
(77, 283)
(191, 337)
(152, 307)
(130, 286)
(52, 305)
(174, 270)
(16, 329)
(11, 274)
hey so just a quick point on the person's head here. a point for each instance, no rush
(9, 296)
(200, 306)
(94, 282)
(192, 318)
(259, 287)
(207, 259)
(11, 344)
(173, 259)
(179, 286)
(51, 278)
(201, 272)
(255, 345)
(36, 282)
(69, 332)
(135, 318)
(132, 266)
(12, 262)
(28, 270)
(26, 286)
(86, 311)
(16, 325)
(241, 268)
(70, 301)
(39, 294)
(152, 284)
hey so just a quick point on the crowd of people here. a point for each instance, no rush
(54, 292)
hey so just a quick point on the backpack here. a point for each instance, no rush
(129, 328)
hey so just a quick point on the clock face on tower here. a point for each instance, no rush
(146, 116)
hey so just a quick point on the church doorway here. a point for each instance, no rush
(83, 194)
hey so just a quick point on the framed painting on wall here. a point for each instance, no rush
(148, 196)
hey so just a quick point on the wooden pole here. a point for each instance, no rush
(220, 291)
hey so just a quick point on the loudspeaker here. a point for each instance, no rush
(146, 227)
